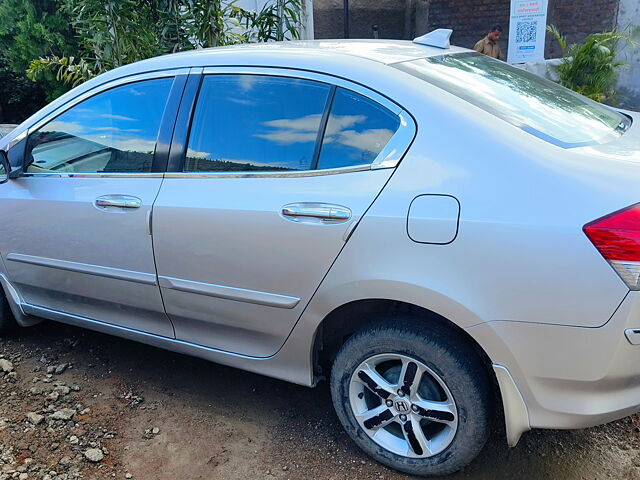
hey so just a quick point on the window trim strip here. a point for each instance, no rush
(289, 174)
(322, 128)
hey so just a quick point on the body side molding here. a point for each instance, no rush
(89, 269)
(229, 293)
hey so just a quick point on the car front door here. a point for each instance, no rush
(76, 237)
(277, 170)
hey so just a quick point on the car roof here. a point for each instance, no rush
(381, 51)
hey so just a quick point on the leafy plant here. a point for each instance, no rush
(277, 21)
(30, 28)
(590, 68)
(68, 70)
(116, 32)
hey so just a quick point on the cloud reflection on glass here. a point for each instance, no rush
(114, 131)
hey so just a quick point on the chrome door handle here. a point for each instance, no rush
(118, 201)
(322, 212)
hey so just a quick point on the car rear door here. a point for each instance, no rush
(263, 190)
(76, 225)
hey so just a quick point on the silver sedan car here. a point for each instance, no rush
(439, 235)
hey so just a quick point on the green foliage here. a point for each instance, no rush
(29, 28)
(590, 68)
(68, 70)
(276, 21)
(112, 33)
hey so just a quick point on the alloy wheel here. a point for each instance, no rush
(403, 405)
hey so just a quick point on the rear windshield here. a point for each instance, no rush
(530, 102)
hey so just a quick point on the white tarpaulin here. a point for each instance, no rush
(527, 29)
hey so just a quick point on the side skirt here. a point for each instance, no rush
(269, 366)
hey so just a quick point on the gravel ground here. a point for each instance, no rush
(78, 404)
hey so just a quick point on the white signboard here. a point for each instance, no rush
(527, 29)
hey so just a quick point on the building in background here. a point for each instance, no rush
(471, 19)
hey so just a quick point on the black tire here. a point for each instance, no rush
(447, 355)
(8, 323)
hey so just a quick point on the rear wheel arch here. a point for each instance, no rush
(348, 318)
(345, 320)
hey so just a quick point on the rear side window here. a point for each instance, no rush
(114, 131)
(251, 123)
(357, 130)
(255, 123)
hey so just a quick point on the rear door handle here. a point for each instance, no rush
(316, 213)
(109, 202)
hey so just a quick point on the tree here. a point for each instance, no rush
(28, 29)
(116, 32)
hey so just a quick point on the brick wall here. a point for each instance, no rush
(469, 19)
(579, 18)
(391, 16)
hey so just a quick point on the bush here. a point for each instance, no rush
(112, 33)
(28, 29)
(590, 68)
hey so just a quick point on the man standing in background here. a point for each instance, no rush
(489, 44)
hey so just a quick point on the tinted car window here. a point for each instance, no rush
(357, 131)
(113, 131)
(528, 101)
(253, 122)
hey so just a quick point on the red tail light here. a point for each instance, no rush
(617, 238)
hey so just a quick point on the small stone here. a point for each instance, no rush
(60, 368)
(51, 369)
(63, 414)
(23, 476)
(35, 418)
(73, 440)
(53, 396)
(62, 389)
(5, 365)
(155, 430)
(94, 455)
(128, 475)
(85, 411)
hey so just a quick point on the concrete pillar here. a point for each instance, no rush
(629, 78)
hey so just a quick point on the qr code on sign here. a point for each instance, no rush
(526, 32)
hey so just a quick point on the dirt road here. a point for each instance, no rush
(110, 408)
